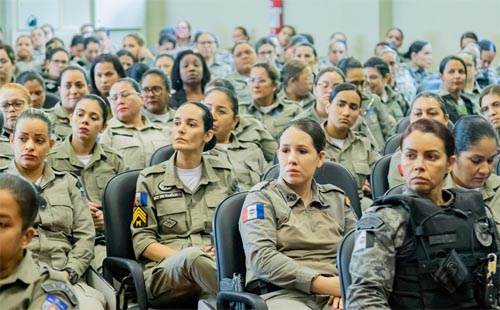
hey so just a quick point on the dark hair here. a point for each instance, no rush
(344, 87)
(136, 37)
(294, 32)
(379, 64)
(77, 39)
(326, 70)
(220, 82)
(415, 47)
(310, 46)
(164, 38)
(487, 45)
(397, 29)
(263, 41)
(428, 94)
(208, 123)
(89, 40)
(32, 113)
(312, 128)
(469, 130)
(101, 59)
(127, 53)
(73, 68)
(177, 83)
(435, 127)
(447, 59)
(137, 70)
(199, 33)
(349, 63)
(493, 89)
(164, 55)
(238, 44)
(231, 95)
(87, 25)
(338, 41)
(100, 101)
(25, 195)
(9, 51)
(162, 75)
(298, 39)
(131, 82)
(243, 30)
(272, 72)
(27, 76)
(468, 35)
(292, 69)
(49, 43)
(50, 53)
(308, 37)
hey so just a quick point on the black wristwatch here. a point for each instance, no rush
(73, 276)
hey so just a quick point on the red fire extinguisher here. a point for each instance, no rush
(276, 15)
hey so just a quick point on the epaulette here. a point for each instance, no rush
(109, 150)
(215, 163)
(261, 185)
(60, 287)
(325, 188)
(156, 169)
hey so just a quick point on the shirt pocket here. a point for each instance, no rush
(248, 173)
(172, 216)
(125, 142)
(212, 201)
(103, 179)
(61, 213)
(361, 172)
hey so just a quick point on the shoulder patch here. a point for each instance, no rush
(141, 199)
(253, 212)
(54, 303)
(217, 163)
(139, 218)
(371, 223)
(156, 169)
(59, 287)
(259, 186)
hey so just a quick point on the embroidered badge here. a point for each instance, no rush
(54, 303)
(139, 218)
(347, 201)
(291, 197)
(164, 187)
(253, 212)
(141, 199)
(170, 222)
(167, 196)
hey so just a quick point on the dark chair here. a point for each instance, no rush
(344, 253)
(396, 190)
(330, 173)
(162, 154)
(378, 179)
(392, 144)
(50, 100)
(230, 256)
(402, 124)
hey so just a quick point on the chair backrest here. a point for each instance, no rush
(50, 100)
(118, 204)
(378, 179)
(344, 253)
(230, 256)
(395, 190)
(402, 124)
(162, 154)
(392, 144)
(331, 173)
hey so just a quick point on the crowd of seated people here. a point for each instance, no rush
(75, 114)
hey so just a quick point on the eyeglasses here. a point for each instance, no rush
(155, 90)
(264, 53)
(206, 42)
(16, 105)
(259, 81)
(326, 84)
(124, 95)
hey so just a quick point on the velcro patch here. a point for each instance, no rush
(141, 199)
(364, 240)
(139, 218)
(170, 222)
(54, 303)
(370, 223)
(253, 212)
(167, 196)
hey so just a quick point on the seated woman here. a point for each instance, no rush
(73, 84)
(21, 281)
(345, 146)
(129, 132)
(404, 256)
(64, 238)
(244, 58)
(91, 162)
(246, 158)
(178, 198)
(420, 56)
(425, 105)
(291, 226)
(297, 78)
(105, 71)
(265, 105)
(33, 82)
(489, 100)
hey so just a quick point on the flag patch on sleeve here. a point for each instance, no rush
(253, 212)
(141, 199)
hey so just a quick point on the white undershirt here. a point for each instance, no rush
(189, 177)
(337, 142)
(162, 117)
(268, 109)
(224, 145)
(84, 158)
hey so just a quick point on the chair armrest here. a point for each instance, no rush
(255, 301)
(135, 270)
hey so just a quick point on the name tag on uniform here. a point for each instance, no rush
(253, 212)
(170, 222)
(167, 196)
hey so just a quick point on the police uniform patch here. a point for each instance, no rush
(139, 218)
(163, 187)
(170, 222)
(167, 196)
(53, 302)
(141, 199)
(364, 240)
(253, 212)
(291, 197)
(347, 201)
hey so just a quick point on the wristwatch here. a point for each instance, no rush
(73, 276)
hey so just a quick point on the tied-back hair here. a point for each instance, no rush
(312, 128)
(33, 113)
(469, 130)
(25, 195)
(435, 127)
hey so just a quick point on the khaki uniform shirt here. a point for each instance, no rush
(168, 212)
(304, 104)
(289, 244)
(276, 119)
(312, 114)
(137, 145)
(28, 287)
(158, 121)
(61, 121)
(473, 95)
(64, 231)
(241, 87)
(219, 69)
(250, 129)
(103, 164)
(6, 148)
(247, 160)
(395, 103)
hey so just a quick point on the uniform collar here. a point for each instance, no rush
(171, 178)
(153, 117)
(252, 107)
(115, 123)
(48, 174)
(292, 198)
(65, 151)
(351, 137)
(26, 271)
(59, 111)
(448, 196)
(487, 191)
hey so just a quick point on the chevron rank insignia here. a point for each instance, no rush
(139, 218)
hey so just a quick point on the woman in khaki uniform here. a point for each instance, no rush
(490, 105)
(246, 158)
(91, 162)
(64, 238)
(22, 284)
(14, 99)
(291, 226)
(244, 58)
(129, 132)
(345, 146)
(174, 206)
(297, 78)
(273, 113)
(73, 84)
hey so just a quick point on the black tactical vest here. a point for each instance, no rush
(446, 265)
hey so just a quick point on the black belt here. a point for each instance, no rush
(261, 287)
